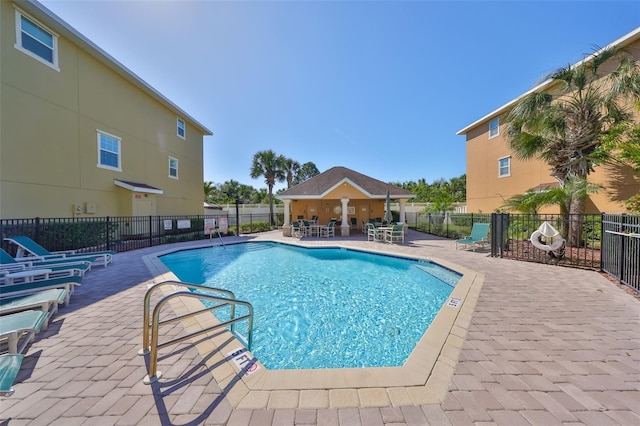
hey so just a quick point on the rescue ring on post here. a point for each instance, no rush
(537, 241)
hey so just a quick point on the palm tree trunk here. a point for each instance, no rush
(270, 205)
(576, 210)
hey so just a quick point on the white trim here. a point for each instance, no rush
(18, 43)
(184, 128)
(104, 166)
(497, 128)
(508, 157)
(177, 168)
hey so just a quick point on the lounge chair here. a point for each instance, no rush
(329, 230)
(479, 237)
(9, 368)
(395, 234)
(374, 234)
(21, 325)
(8, 262)
(22, 289)
(27, 247)
(46, 301)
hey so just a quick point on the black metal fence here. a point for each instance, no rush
(122, 233)
(448, 225)
(621, 243)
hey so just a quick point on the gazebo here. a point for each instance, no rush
(341, 194)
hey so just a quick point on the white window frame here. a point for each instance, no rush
(18, 44)
(176, 168)
(181, 125)
(119, 141)
(500, 174)
(494, 131)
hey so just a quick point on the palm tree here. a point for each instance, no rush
(291, 168)
(269, 165)
(566, 125)
(209, 188)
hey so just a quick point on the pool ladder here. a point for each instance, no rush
(150, 330)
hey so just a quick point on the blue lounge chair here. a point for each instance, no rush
(479, 237)
(45, 300)
(9, 367)
(7, 262)
(21, 325)
(27, 247)
(67, 283)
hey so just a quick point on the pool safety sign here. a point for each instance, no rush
(454, 302)
(244, 361)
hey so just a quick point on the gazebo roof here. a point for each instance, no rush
(322, 184)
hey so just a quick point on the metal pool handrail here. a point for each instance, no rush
(150, 331)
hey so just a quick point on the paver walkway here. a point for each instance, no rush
(546, 345)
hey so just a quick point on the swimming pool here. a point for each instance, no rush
(323, 307)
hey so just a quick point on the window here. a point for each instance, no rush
(109, 151)
(494, 128)
(173, 168)
(181, 129)
(504, 167)
(36, 41)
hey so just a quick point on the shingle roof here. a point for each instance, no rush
(319, 185)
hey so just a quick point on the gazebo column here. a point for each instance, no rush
(344, 227)
(402, 217)
(286, 228)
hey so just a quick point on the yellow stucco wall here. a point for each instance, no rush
(48, 136)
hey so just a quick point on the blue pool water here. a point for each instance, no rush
(323, 307)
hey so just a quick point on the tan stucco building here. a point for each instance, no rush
(80, 134)
(341, 194)
(494, 174)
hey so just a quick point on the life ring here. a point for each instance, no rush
(537, 242)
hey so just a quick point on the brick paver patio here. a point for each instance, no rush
(546, 345)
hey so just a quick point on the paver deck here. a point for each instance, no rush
(544, 345)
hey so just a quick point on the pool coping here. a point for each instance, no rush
(423, 379)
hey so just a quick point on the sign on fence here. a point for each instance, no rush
(184, 224)
(223, 224)
(168, 224)
(209, 225)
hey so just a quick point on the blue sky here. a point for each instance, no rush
(378, 87)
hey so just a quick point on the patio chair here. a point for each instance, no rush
(373, 233)
(354, 223)
(329, 230)
(306, 228)
(314, 219)
(8, 262)
(9, 368)
(479, 237)
(27, 247)
(296, 231)
(21, 325)
(395, 234)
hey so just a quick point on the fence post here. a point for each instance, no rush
(602, 248)
(108, 233)
(150, 231)
(623, 220)
(37, 231)
(237, 218)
